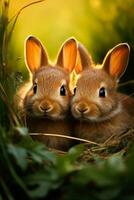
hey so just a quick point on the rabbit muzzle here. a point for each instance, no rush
(45, 107)
(85, 111)
(48, 109)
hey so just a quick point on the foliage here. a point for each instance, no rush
(28, 170)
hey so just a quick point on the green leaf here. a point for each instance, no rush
(39, 153)
(41, 189)
(75, 152)
(20, 155)
(104, 172)
(22, 130)
(68, 163)
(42, 182)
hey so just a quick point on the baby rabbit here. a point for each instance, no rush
(100, 111)
(45, 99)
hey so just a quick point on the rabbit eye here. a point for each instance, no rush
(35, 88)
(62, 91)
(74, 90)
(102, 92)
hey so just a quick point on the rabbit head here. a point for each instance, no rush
(95, 96)
(49, 94)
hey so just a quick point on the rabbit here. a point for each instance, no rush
(99, 110)
(45, 99)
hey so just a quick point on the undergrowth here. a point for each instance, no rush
(29, 170)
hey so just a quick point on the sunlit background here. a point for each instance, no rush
(98, 24)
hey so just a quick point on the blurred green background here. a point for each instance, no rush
(98, 24)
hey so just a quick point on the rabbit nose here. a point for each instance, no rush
(82, 108)
(44, 107)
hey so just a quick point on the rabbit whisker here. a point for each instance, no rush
(126, 97)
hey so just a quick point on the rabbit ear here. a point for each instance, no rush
(84, 60)
(35, 54)
(116, 60)
(67, 55)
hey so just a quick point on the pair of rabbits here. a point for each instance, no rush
(95, 111)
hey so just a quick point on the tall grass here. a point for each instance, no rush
(7, 79)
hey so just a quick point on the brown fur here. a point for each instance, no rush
(98, 118)
(45, 108)
(101, 131)
(61, 127)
